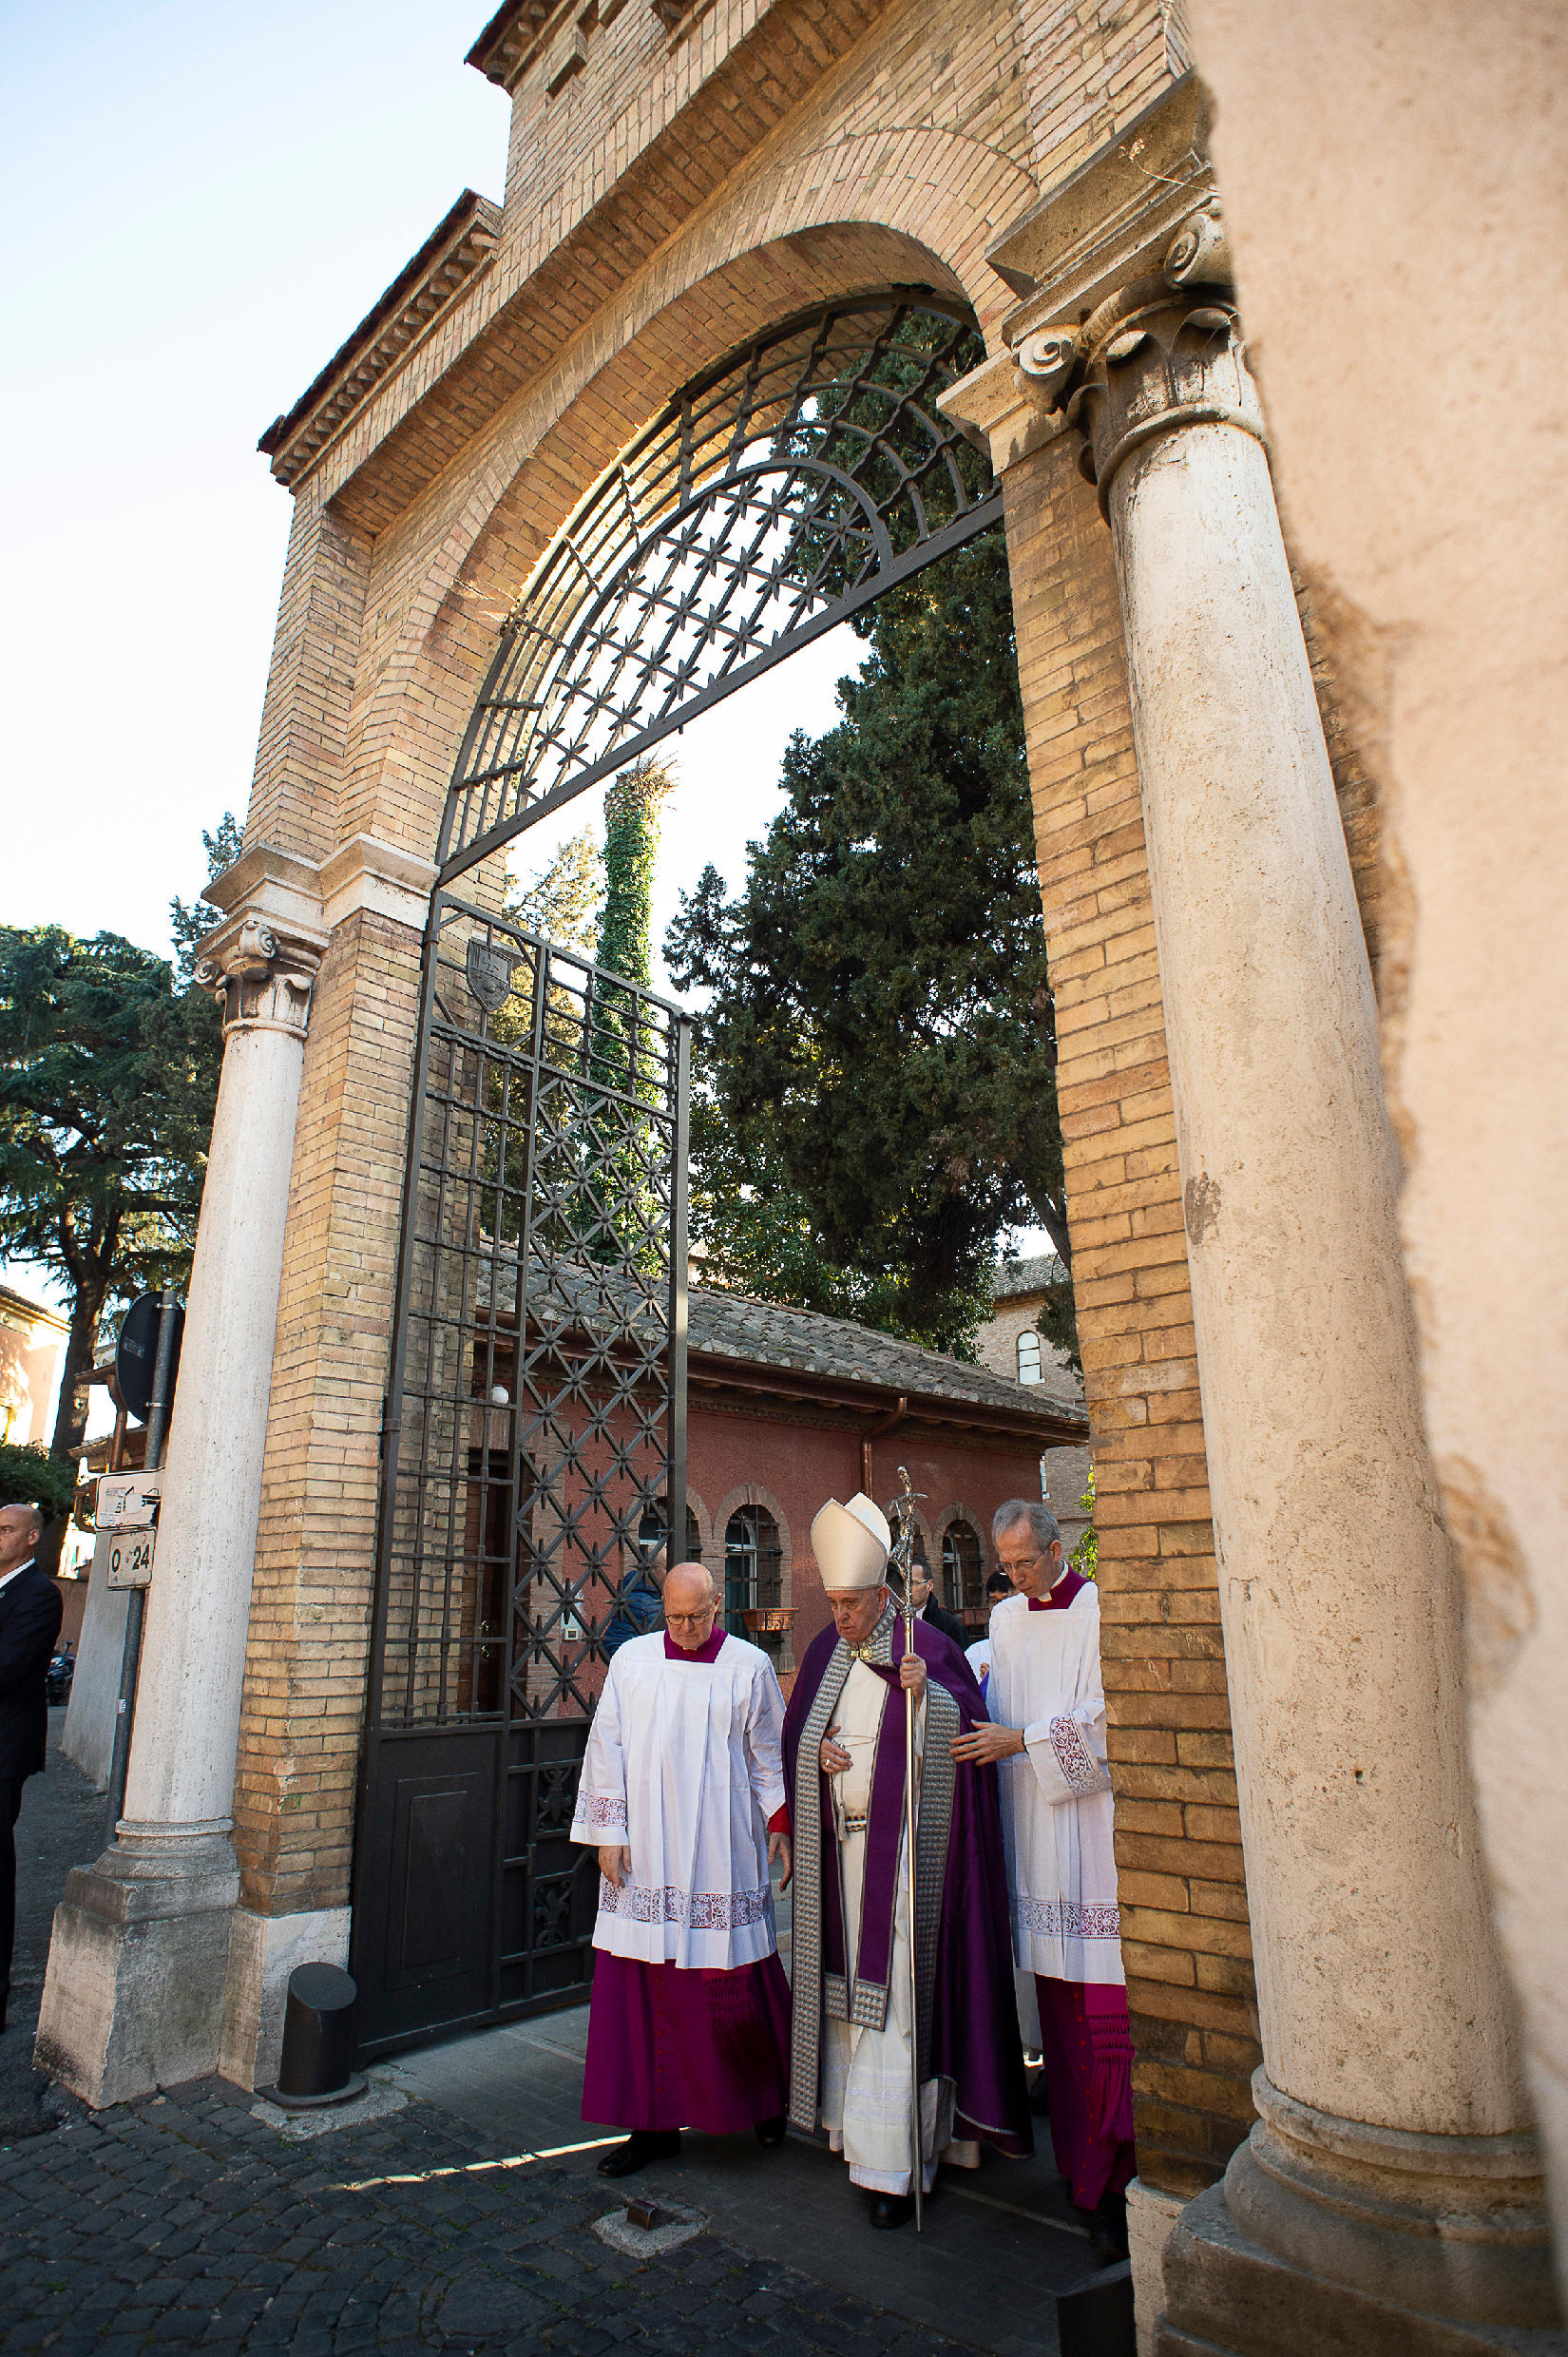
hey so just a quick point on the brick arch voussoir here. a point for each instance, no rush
(919, 207)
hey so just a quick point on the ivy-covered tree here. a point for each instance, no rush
(876, 1065)
(632, 816)
(108, 1078)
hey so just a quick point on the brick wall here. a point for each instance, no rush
(855, 148)
(799, 1458)
(1179, 1840)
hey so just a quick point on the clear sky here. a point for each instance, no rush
(202, 201)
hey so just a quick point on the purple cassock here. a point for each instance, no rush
(968, 2018)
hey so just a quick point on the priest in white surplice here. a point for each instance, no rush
(1046, 1697)
(683, 1796)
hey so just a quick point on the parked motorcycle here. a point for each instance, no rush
(57, 1677)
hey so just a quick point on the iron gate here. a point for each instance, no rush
(535, 1421)
(536, 1418)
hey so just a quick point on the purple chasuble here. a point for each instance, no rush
(973, 2035)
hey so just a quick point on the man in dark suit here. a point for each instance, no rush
(923, 1596)
(29, 1623)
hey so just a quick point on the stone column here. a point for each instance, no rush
(1393, 2156)
(1390, 2193)
(135, 1976)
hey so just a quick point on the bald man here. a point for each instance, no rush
(29, 1623)
(683, 1796)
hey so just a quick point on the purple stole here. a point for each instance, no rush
(867, 2001)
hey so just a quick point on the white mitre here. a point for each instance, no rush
(852, 1543)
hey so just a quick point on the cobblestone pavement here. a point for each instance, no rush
(182, 2222)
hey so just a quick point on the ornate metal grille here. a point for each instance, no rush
(536, 1416)
(535, 1420)
(778, 495)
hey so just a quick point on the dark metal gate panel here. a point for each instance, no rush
(536, 1417)
(778, 495)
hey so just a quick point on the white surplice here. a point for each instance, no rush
(866, 2084)
(684, 1765)
(1056, 1798)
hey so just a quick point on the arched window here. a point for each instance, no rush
(962, 1568)
(1028, 1356)
(753, 1572)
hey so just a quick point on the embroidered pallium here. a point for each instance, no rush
(1068, 1919)
(806, 1975)
(1077, 1762)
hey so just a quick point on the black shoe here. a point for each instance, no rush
(1108, 2229)
(771, 2132)
(1040, 2098)
(642, 2145)
(892, 2208)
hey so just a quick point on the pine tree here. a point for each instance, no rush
(108, 1078)
(565, 900)
(876, 1098)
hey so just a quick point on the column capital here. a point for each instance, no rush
(1164, 351)
(261, 971)
(1128, 324)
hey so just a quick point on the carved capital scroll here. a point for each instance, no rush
(1162, 352)
(262, 974)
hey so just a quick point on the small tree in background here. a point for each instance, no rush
(188, 923)
(108, 1079)
(30, 1475)
(565, 900)
(1084, 1558)
(628, 1219)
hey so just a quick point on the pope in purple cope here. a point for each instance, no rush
(854, 2040)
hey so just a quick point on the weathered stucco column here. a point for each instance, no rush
(1391, 2186)
(137, 1966)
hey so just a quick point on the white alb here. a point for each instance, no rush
(684, 1766)
(1055, 1796)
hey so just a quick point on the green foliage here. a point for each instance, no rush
(1084, 1558)
(632, 808)
(620, 1047)
(188, 921)
(30, 1475)
(755, 1235)
(108, 1078)
(565, 899)
(876, 1065)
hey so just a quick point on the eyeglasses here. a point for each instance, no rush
(689, 1619)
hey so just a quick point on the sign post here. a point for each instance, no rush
(130, 1541)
